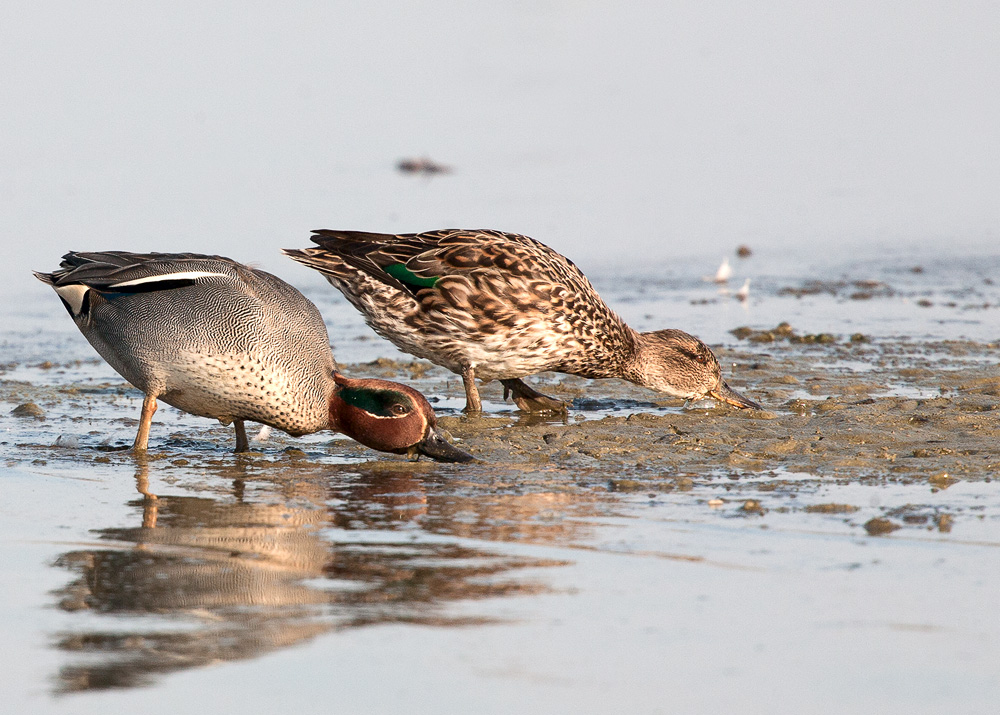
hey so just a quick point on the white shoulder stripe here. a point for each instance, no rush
(73, 295)
(179, 276)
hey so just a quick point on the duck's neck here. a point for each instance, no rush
(608, 351)
(636, 355)
(345, 401)
(335, 407)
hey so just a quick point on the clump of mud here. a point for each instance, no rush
(852, 289)
(784, 331)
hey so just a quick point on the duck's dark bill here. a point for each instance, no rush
(437, 447)
(724, 393)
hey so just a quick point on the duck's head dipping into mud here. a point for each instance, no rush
(681, 365)
(390, 417)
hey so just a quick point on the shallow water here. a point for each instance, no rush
(833, 553)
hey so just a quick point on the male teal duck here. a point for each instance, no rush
(496, 305)
(218, 339)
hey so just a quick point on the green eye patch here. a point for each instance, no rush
(375, 402)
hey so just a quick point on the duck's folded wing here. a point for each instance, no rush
(117, 271)
(418, 260)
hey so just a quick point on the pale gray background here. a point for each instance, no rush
(615, 132)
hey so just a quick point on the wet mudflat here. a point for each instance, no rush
(831, 551)
(834, 553)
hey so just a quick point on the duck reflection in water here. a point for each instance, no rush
(207, 579)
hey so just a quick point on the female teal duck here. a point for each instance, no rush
(496, 305)
(218, 339)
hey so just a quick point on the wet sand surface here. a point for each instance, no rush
(918, 414)
(759, 561)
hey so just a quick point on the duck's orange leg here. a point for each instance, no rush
(145, 420)
(472, 401)
(242, 444)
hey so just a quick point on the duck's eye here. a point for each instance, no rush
(399, 409)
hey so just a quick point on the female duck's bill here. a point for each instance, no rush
(724, 393)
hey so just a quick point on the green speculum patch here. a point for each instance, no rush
(403, 274)
(375, 402)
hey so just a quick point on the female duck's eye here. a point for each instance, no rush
(398, 409)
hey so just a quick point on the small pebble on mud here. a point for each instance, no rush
(29, 409)
(831, 508)
(627, 485)
(942, 480)
(879, 527)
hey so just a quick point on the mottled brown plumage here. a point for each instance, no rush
(496, 305)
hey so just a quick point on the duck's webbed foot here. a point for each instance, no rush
(530, 400)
